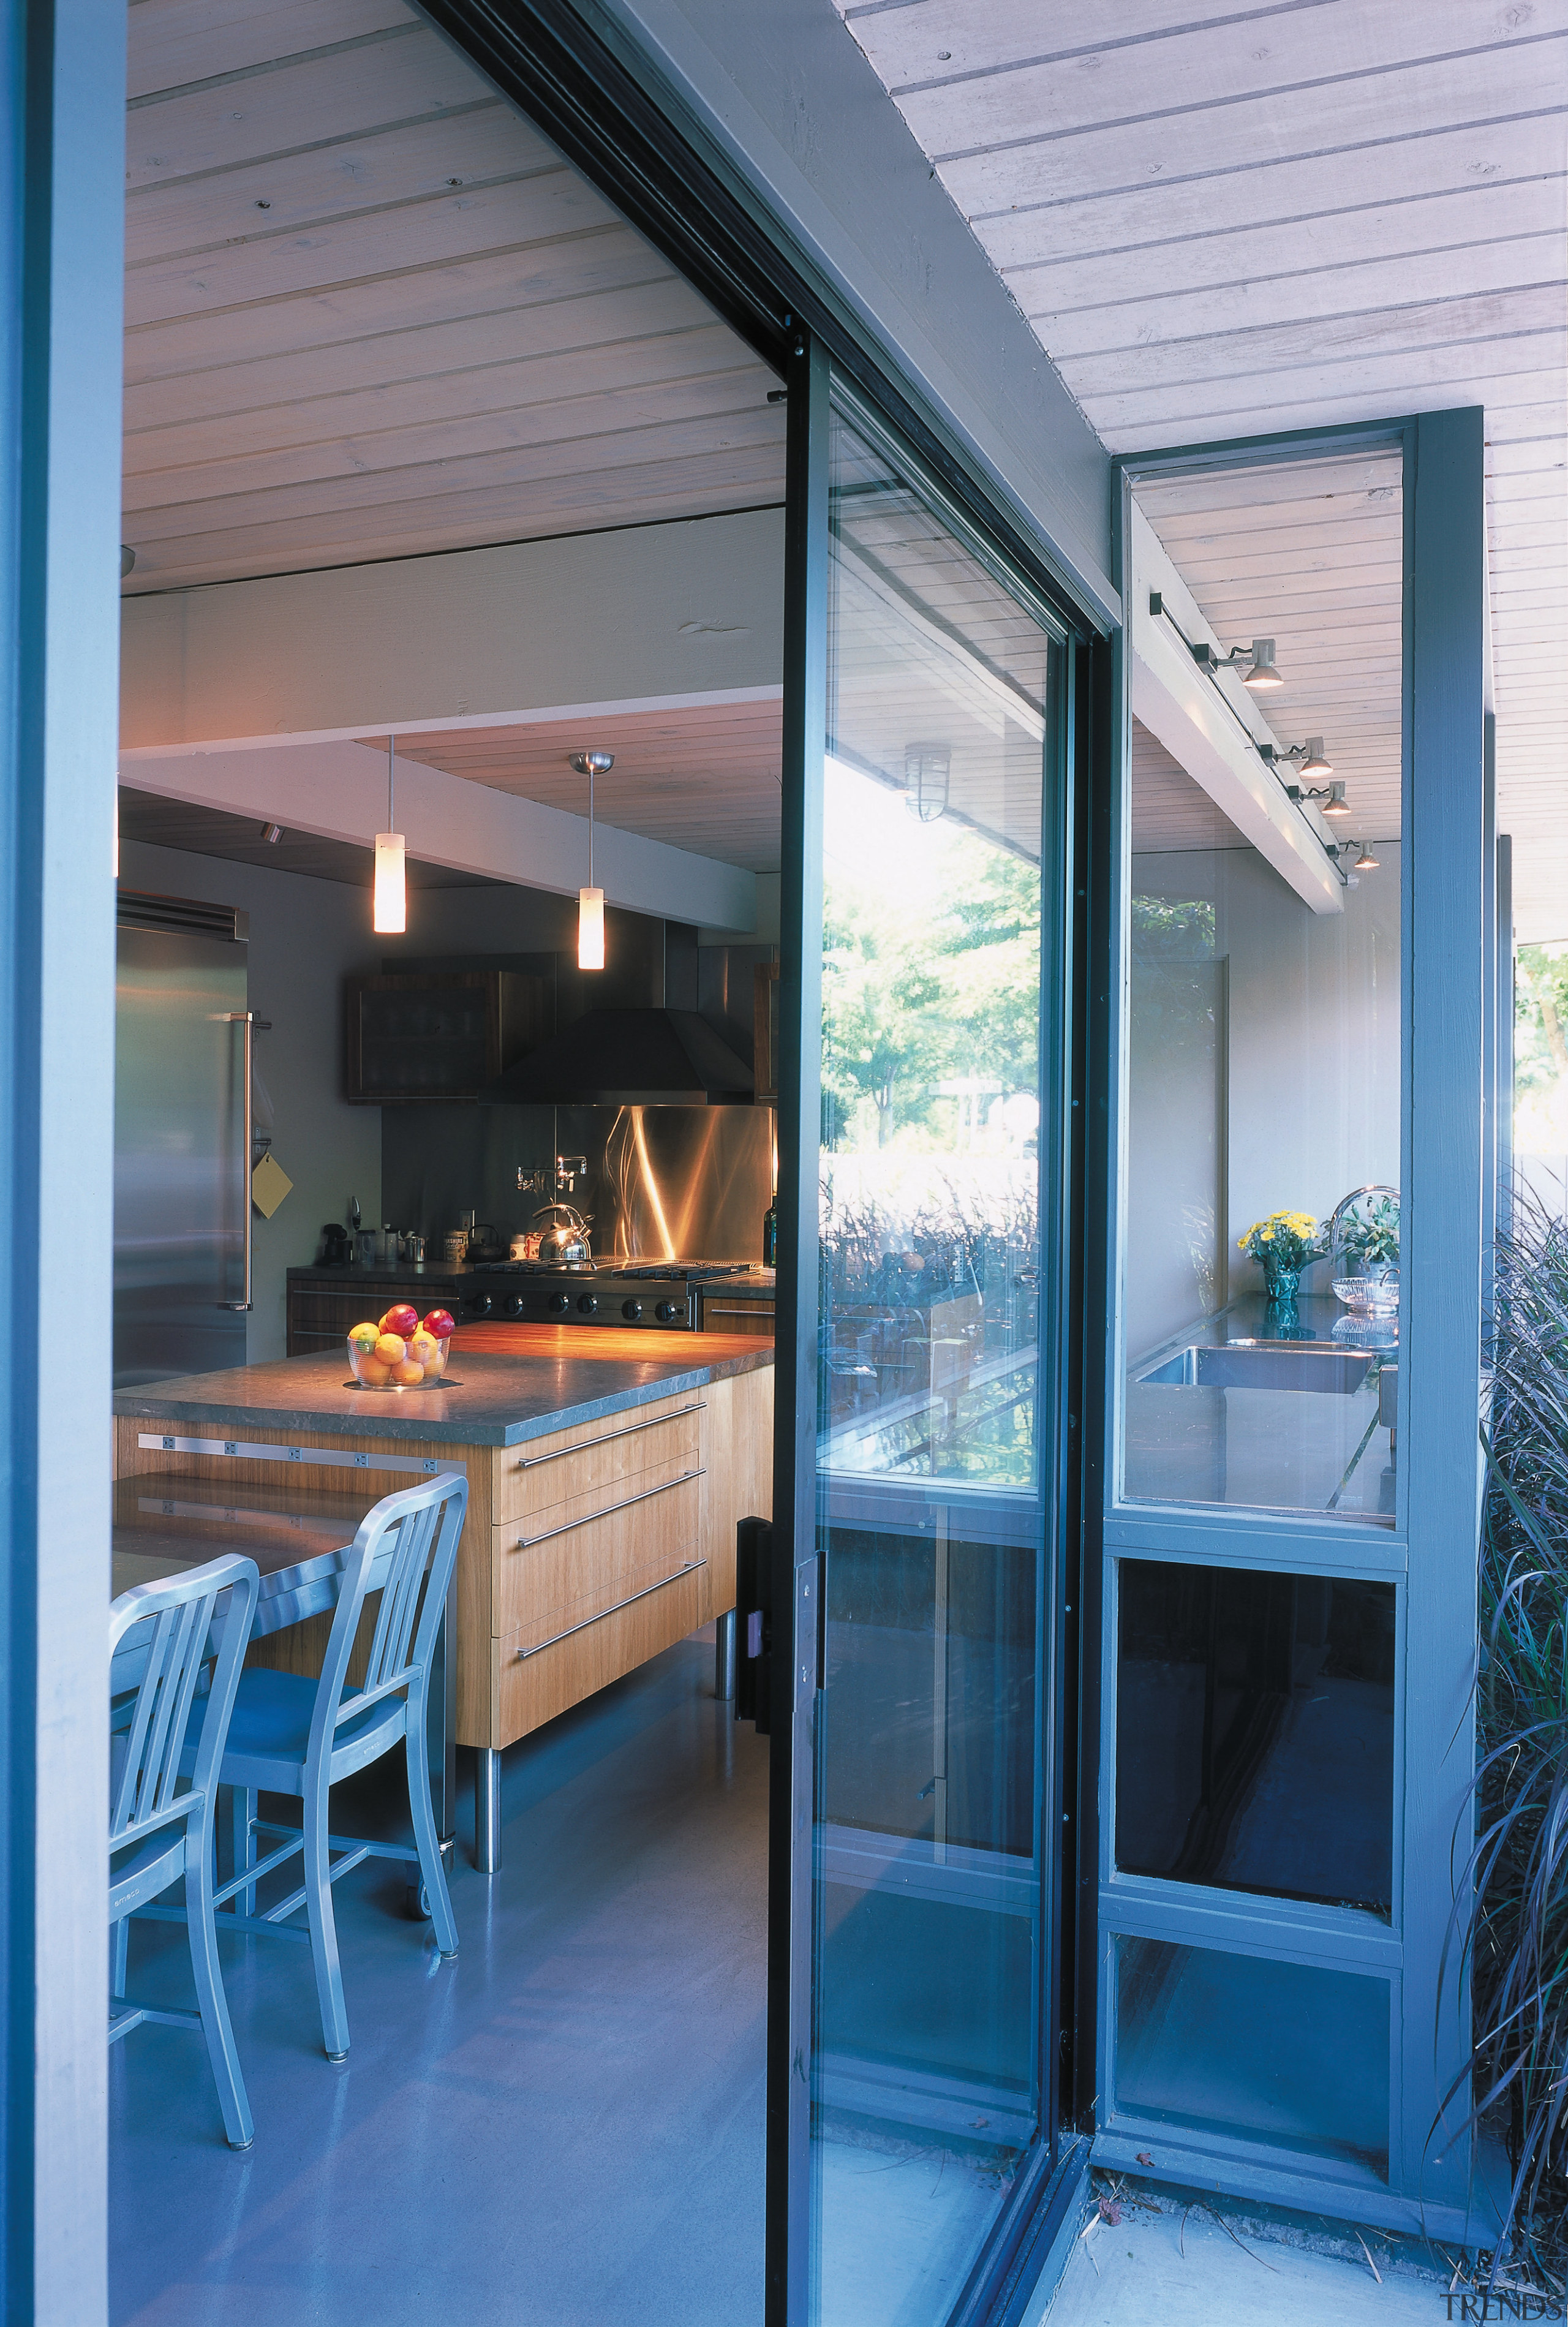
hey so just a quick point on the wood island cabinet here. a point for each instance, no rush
(586, 1550)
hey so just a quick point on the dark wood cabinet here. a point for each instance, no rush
(440, 1035)
(322, 1318)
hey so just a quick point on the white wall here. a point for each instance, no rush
(305, 936)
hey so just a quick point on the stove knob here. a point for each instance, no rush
(481, 1304)
(515, 1305)
(559, 1305)
(668, 1312)
(631, 1311)
(586, 1303)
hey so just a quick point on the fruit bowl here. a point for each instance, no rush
(403, 1350)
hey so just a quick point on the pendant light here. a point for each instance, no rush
(390, 918)
(590, 900)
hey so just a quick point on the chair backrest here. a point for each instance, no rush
(424, 1523)
(178, 1616)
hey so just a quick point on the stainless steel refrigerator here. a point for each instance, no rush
(182, 1139)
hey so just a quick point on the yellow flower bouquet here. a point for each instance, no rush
(1283, 1244)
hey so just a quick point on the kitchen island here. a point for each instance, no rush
(607, 1471)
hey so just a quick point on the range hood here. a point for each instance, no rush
(627, 1058)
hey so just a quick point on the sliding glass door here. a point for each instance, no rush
(927, 1209)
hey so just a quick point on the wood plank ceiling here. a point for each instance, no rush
(371, 312)
(1227, 221)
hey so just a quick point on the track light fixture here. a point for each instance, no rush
(1255, 663)
(1366, 862)
(1331, 795)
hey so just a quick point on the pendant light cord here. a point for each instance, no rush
(590, 827)
(391, 757)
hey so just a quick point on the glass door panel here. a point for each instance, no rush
(927, 2086)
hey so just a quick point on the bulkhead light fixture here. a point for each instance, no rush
(927, 767)
(590, 900)
(389, 915)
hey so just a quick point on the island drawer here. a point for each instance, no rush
(599, 1458)
(532, 1685)
(570, 1564)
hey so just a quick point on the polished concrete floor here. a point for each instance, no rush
(561, 2128)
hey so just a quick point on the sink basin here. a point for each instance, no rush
(1265, 1365)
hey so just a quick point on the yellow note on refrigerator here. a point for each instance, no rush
(269, 1184)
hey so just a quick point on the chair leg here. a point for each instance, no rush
(424, 1835)
(242, 1812)
(318, 1882)
(119, 1950)
(216, 2026)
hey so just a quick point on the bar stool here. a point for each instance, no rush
(162, 1636)
(291, 1735)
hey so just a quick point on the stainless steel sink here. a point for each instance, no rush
(1265, 1365)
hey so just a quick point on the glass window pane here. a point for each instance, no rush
(1295, 2055)
(1254, 1731)
(1261, 1315)
(928, 1950)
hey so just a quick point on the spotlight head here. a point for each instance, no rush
(1366, 862)
(1336, 804)
(1314, 766)
(1262, 674)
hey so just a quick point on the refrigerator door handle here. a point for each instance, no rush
(246, 1019)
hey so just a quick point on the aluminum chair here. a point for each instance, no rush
(290, 1735)
(163, 1787)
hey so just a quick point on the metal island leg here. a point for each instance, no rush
(724, 1657)
(487, 1811)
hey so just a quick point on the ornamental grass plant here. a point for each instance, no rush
(1510, 1925)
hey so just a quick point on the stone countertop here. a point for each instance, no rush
(551, 1378)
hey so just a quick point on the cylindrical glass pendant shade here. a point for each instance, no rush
(590, 929)
(391, 913)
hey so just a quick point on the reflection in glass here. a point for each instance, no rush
(1235, 2045)
(1264, 1041)
(1254, 1731)
(926, 2040)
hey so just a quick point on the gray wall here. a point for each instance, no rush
(1293, 1101)
(305, 936)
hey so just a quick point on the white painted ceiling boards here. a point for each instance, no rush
(372, 314)
(1234, 220)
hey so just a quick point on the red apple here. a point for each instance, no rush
(441, 1322)
(402, 1319)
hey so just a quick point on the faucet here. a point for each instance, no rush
(561, 1181)
(1373, 1187)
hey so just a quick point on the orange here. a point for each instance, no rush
(408, 1373)
(372, 1372)
(424, 1349)
(390, 1349)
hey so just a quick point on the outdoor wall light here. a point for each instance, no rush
(590, 900)
(927, 767)
(389, 913)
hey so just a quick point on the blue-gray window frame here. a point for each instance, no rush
(1431, 1554)
(1001, 2279)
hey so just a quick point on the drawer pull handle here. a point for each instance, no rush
(751, 1309)
(533, 1462)
(523, 1654)
(528, 1542)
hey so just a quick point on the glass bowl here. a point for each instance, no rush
(1371, 1293)
(373, 1372)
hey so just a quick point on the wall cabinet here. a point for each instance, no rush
(440, 1035)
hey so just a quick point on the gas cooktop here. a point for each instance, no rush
(612, 1292)
(684, 1272)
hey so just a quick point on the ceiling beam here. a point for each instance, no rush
(338, 791)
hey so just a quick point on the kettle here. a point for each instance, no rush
(564, 1240)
